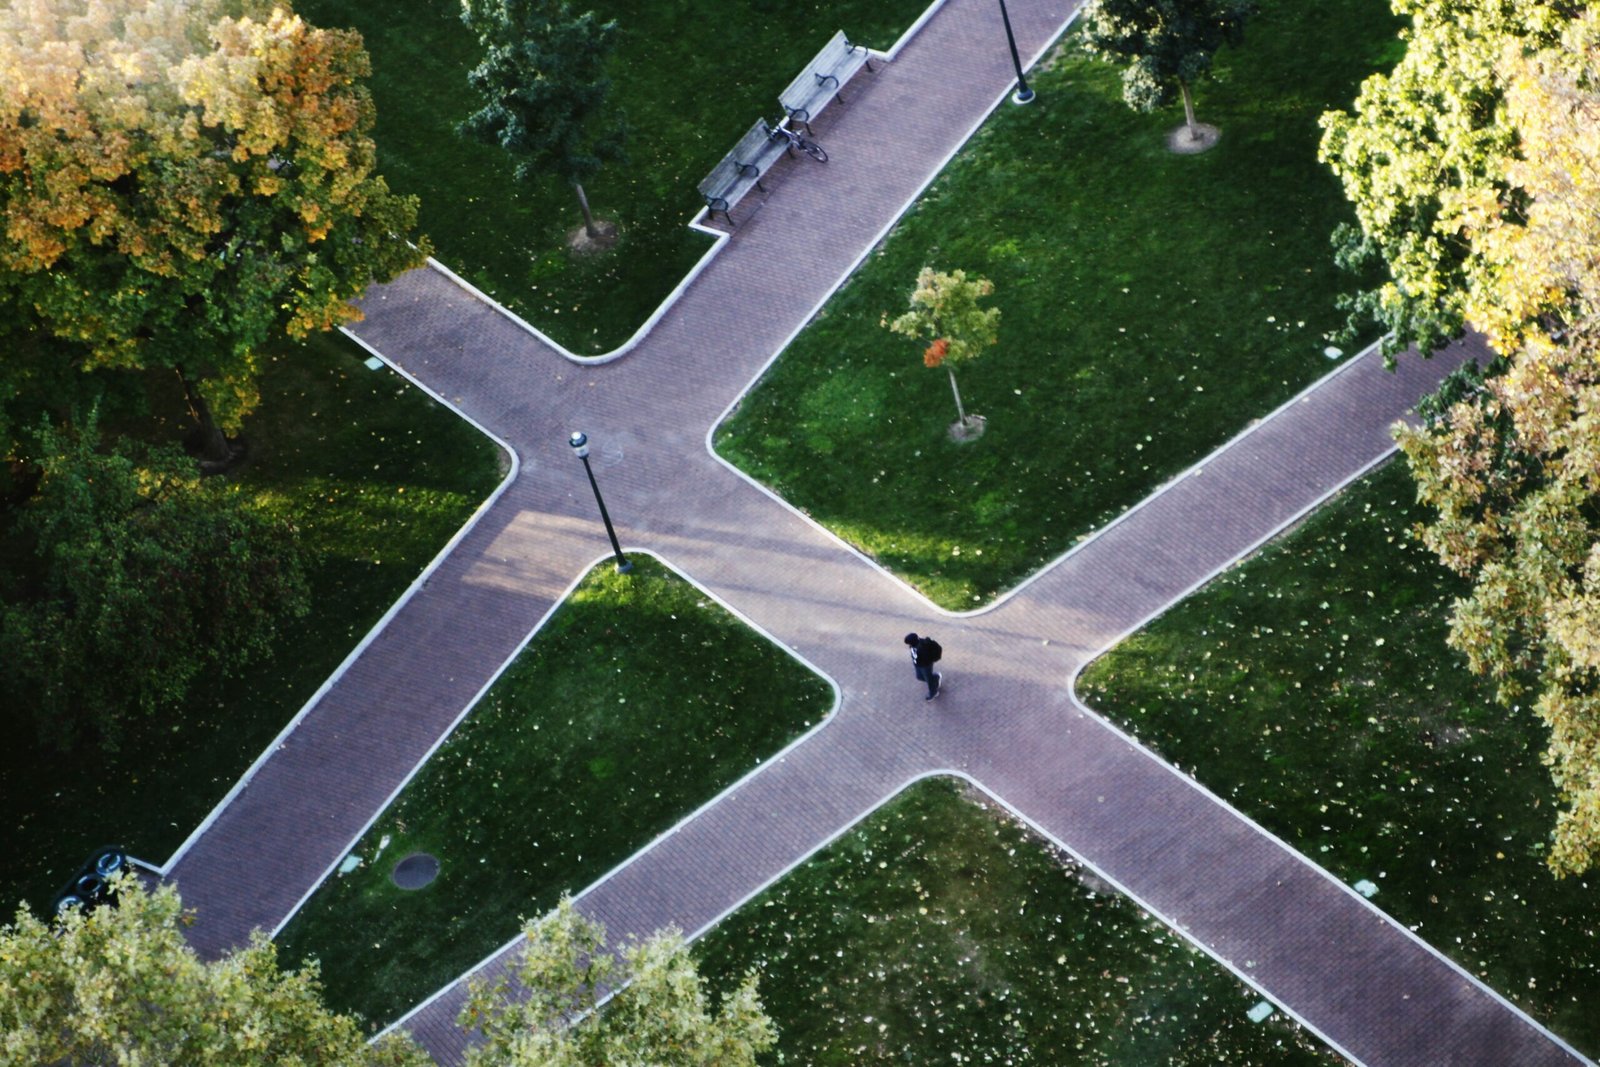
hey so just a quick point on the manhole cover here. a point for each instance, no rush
(415, 871)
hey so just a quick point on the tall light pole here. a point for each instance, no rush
(1023, 93)
(580, 445)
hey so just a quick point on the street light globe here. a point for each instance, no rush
(580, 444)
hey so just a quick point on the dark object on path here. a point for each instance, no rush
(925, 652)
(415, 871)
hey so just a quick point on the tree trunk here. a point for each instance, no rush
(960, 411)
(588, 216)
(1188, 110)
(211, 448)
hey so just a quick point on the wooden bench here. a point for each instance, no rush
(819, 83)
(741, 169)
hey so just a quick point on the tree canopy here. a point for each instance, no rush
(121, 985)
(1509, 455)
(1166, 45)
(544, 87)
(148, 577)
(1425, 144)
(659, 1013)
(180, 179)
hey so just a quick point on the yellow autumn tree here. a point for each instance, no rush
(1417, 137)
(182, 179)
(1510, 459)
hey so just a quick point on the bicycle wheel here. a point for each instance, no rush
(814, 150)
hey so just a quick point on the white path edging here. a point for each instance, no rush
(377, 628)
(943, 772)
(1193, 469)
(1190, 779)
(1146, 907)
(761, 764)
(506, 663)
(1164, 919)
(851, 824)
(1094, 535)
(910, 32)
(848, 273)
(719, 239)
(444, 736)
(1194, 782)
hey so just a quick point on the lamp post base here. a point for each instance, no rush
(1022, 96)
(624, 566)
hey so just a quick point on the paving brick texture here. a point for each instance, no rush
(1008, 719)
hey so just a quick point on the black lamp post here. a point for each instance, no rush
(580, 445)
(1023, 93)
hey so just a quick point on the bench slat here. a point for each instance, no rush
(741, 169)
(821, 79)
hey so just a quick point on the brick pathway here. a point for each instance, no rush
(1009, 719)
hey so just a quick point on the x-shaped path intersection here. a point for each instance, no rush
(1009, 721)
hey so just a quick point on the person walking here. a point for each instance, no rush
(925, 652)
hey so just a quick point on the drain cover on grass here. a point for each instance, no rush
(415, 871)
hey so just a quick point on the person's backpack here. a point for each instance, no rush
(931, 652)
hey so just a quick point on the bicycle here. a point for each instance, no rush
(800, 141)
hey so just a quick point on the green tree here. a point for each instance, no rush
(945, 313)
(1422, 143)
(121, 985)
(179, 184)
(1507, 456)
(1167, 45)
(659, 1014)
(147, 577)
(41, 380)
(544, 85)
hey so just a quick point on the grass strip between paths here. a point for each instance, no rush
(1151, 304)
(378, 477)
(1312, 689)
(690, 76)
(941, 932)
(639, 700)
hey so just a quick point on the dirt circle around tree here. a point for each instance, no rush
(415, 871)
(1203, 139)
(581, 242)
(962, 432)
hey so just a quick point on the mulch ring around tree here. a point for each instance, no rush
(1188, 143)
(581, 242)
(962, 432)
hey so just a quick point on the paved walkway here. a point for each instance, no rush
(1009, 719)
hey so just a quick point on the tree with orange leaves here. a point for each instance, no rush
(945, 312)
(181, 180)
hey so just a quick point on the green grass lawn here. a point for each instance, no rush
(1312, 689)
(690, 76)
(942, 932)
(1151, 304)
(377, 477)
(638, 701)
